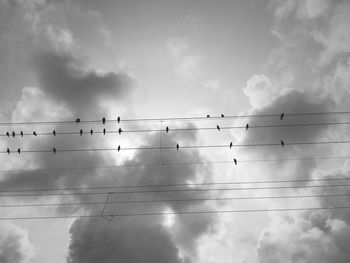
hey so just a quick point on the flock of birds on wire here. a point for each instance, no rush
(81, 132)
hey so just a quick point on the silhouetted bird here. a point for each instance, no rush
(235, 161)
(21, 134)
(19, 151)
(54, 133)
(282, 143)
(217, 127)
(222, 115)
(13, 134)
(8, 151)
(7, 134)
(120, 131)
(34, 133)
(118, 148)
(167, 129)
(118, 119)
(77, 120)
(282, 116)
(231, 144)
(81, 132)
(208, 116)
(91, 132)
(104, 131)
(247, 127)
(54, 150)
(177, 146)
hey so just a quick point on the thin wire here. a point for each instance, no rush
(184, 147)
(182, 129)
(173, 200)
(175, 118)
(179, 213)
(175, 190)
(175, 185)
(175, 164)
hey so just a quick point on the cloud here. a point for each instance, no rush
(14, 244)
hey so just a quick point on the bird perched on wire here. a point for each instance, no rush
(91, 132)
(7, 134)
(282, 116)
(35, 134)
(120, 131)
(104, 131)
(247, 127)
(8, 151)
(54, 133)
(118, 148)
(235, 161)
(19, 151)
(217, 127)
(282, 143)
(104, 120)
(81, 132)
(222, 115)
(54, 150)
(208, 116)
(118, 119)
(13, 134)
(167, 129)
(231, 144)
(21, 133)
(77, 120)
(177, 146)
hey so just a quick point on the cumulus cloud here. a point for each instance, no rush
(14, 244)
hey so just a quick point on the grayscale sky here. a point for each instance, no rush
(88, 59)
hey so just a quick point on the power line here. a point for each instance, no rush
(178, 213)
(175, 185)
(174, 200)
(185, 147)
(178, 129)
(176, 164)
(175, 190)
(168, 119)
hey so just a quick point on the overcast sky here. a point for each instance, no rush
(88, 59)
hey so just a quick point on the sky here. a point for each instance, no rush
(67, 59)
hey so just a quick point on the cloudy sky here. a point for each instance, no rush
(67, 59)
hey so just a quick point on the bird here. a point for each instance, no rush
(217, 127)
(8, 151)
(21, 133)
(231, 144)
(19, 151)
(104, 120)
(118, 119)
(222, 115)
(167, 129)
(282, 143)
(81, 132)
(118, 148)
(91, 132)
(247, 127)
(7, 134)
(13, 134)
(77, 120)
(120, 130)
(104, 131)
(208, 116)
(54, 133)
(235, 161)
(177, 146)
(54, 150)
(35, 134)
(282, 115)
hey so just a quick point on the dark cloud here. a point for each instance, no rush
(62, 75)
